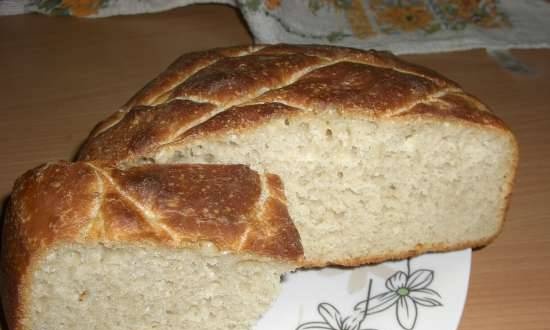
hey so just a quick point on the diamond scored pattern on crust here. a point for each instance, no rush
(304, 78)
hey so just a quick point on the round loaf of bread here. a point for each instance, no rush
(380, 158)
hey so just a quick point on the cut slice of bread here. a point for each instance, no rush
(90, 246)
(381, 159)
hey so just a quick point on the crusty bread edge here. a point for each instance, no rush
(18, 259)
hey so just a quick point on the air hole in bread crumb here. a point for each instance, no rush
(328, 133)
(83, 295)
(209, 158)
(340, 175)
(287, 122)
(147, 160)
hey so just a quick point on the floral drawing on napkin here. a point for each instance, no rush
(458, 14)
(72, 7)
(406, 291)
(397, 16)
(399, 26)
(394, 16)
(387, 17)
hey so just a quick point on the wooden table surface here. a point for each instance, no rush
(59, 76)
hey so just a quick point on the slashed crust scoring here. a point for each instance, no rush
(171, 206)
(237, 88)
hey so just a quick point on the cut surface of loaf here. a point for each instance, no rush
(90, 246)
(380, 158)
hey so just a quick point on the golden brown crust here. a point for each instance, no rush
(456, 106)
(158, 205)
(240, 118)
(380, 59)
(144, 128)
(276, 223)
(41, 212)
(180, 70)
(350, 87)
(234, 79)
(222, 83)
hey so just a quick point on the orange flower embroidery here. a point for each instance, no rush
(466, 8)
(81, 7)
(358, 20)
(483, 13)
(272, 4)
(408, 18)
(356, 15)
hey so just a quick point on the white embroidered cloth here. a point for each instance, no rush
(406, 26)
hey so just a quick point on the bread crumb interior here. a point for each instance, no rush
(364, 189)
(138, 288)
